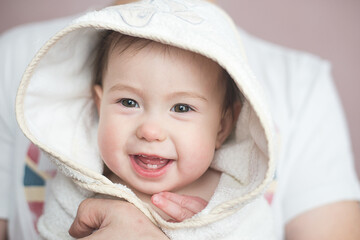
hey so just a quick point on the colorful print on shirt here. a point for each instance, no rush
(34, 182)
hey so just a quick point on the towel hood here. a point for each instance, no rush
(56, 111)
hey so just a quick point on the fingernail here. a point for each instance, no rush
(156, 199)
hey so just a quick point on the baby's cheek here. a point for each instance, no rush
(109, 152)
(202, 154)
(106, 140)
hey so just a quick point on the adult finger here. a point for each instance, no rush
(179, 207)
(87, 221)
(101, 234)
(172, 209)
(192, 203)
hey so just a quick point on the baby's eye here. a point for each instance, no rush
(181, 108)
(130, 103)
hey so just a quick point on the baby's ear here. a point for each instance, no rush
(98, 92)
(227, 124)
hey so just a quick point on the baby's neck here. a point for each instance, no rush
(204, 187)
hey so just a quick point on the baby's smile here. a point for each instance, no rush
(150, 166)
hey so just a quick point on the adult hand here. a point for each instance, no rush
(112, 219)
(340, 220)
(179, 207)
(3, 229)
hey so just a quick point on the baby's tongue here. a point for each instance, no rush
(152, 162)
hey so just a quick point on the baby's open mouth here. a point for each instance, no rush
(150, 162)
(150, 166)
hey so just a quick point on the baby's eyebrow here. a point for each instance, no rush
(187, 94)
(121, 87)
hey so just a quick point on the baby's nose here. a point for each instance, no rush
(150, 132)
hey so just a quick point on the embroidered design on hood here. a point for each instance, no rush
(139, 15)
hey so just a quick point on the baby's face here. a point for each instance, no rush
(160, 117)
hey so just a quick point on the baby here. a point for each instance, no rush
(160, 114)
(163, 112)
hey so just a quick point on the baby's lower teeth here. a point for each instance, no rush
(152, 166)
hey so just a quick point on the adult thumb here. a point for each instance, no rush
(90, 217)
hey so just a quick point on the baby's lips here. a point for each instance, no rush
(150, 167)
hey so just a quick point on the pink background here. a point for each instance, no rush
(328, 28)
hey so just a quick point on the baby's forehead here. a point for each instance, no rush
(131, 50)
(203, 65)
(129, 46)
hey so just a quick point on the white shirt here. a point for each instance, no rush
(315, 163)
(17, 48)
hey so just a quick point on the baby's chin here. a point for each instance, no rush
(145, 188)
(150, 190)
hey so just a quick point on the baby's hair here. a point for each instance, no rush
(111, 40)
